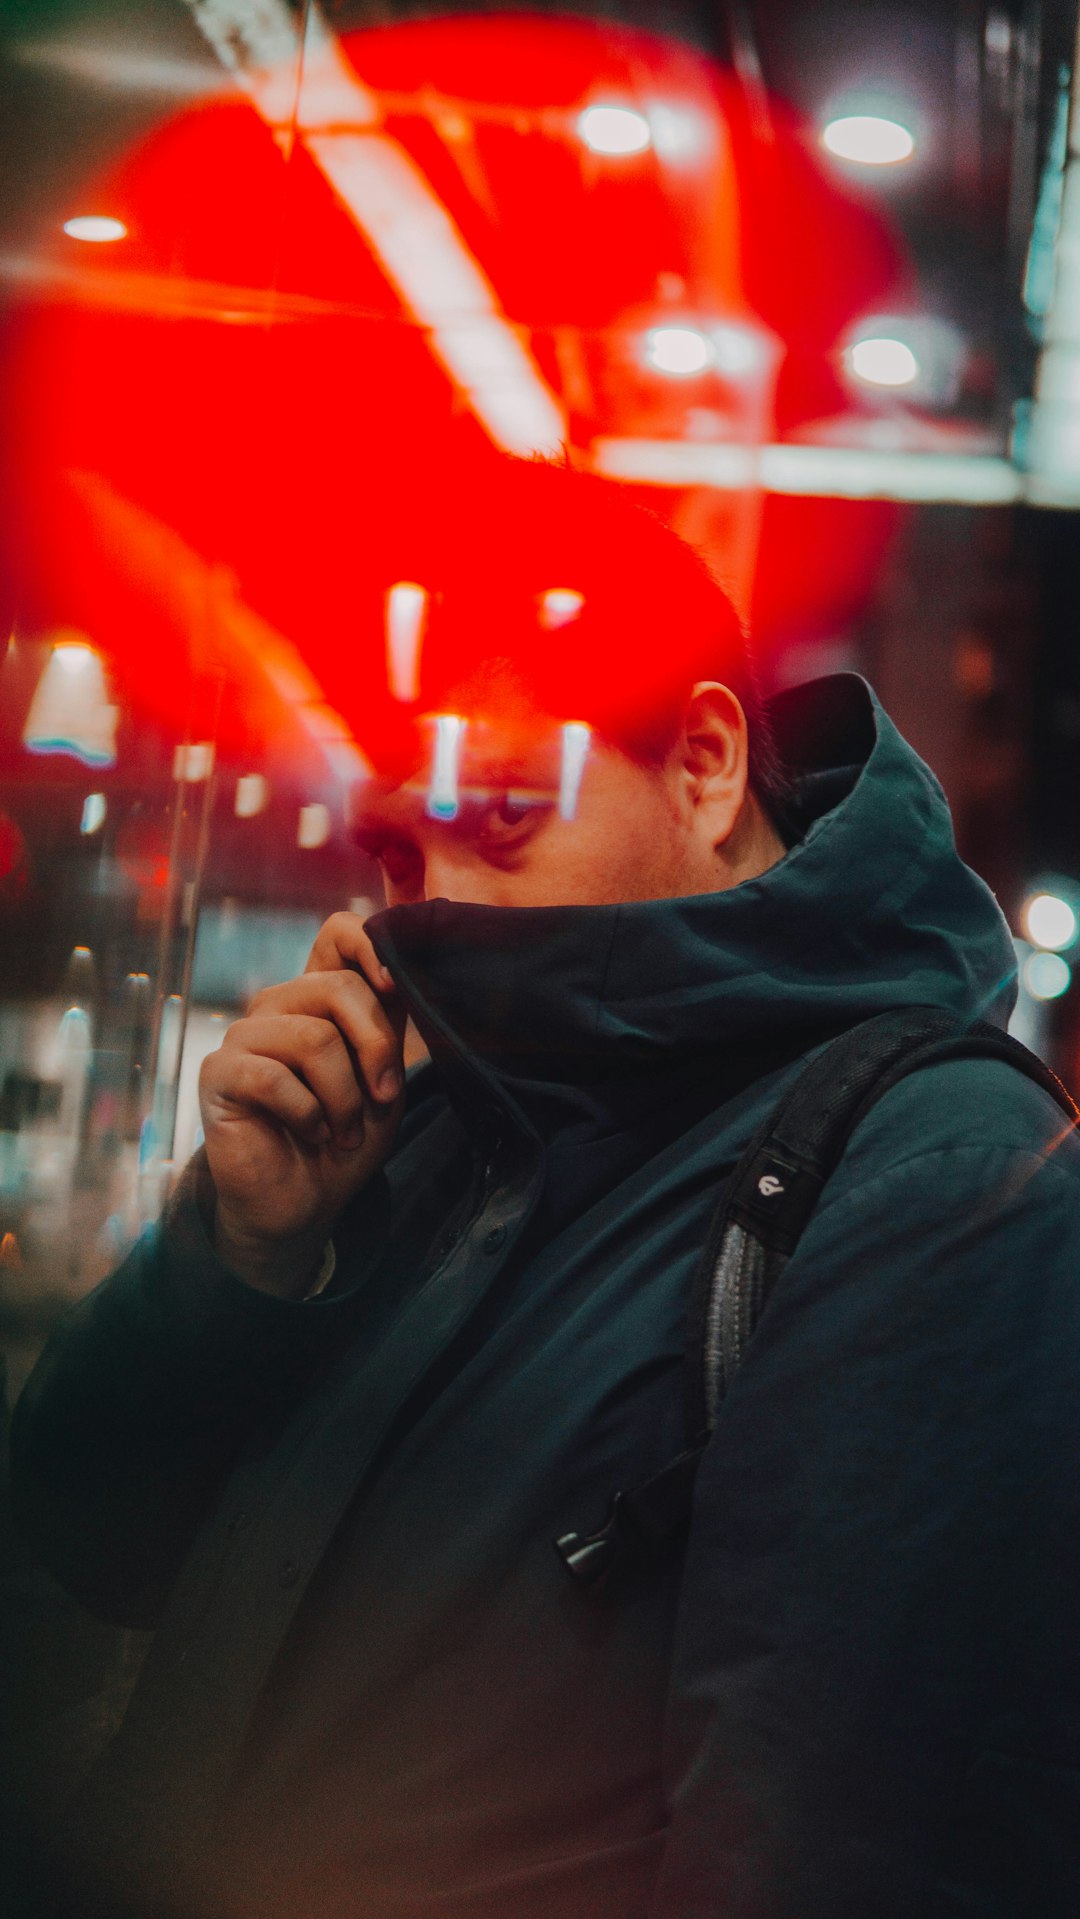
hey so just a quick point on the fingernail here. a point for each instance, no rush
(351, 1137)
(390, 1084)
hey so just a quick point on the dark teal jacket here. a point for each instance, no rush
(856, 1693)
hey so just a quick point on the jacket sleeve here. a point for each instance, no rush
(141, 1402)
(876, 1697)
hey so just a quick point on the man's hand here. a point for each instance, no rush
(300, 1107)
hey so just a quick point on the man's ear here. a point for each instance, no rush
(713, 754)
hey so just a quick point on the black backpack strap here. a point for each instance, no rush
(760, 1216)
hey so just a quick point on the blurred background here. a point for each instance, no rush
(806, 279)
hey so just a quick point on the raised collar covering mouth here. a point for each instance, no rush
(871, 908)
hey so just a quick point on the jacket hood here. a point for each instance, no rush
(590, 1008)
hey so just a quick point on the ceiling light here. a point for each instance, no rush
(559, 605)
(680, 350)
(252, 793)
(71, 711)
(313, 826)
(72, 656)
(614, 130)
(883, 362)
(870, 139)
(98, 227)
(93, 813)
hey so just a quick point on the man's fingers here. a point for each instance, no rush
(373, 1028)
(315, 1051)
(267, 1086)
(342, 942)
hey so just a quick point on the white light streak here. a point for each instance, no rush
(575, 752)
(93, 813)
(830, 472)
(869, 139)
(193, 763)
(406, 606)
(99, 228)
(442, 802)
(250, 37)
(678, 350)
(614, 130)
(157, 559)
(856, 473)
(120, 70)
(678, 463)
(425, 259)
(393, 205)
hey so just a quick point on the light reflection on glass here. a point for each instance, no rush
(442, 801)
(575, 752)
(406, 605)
(71, 711)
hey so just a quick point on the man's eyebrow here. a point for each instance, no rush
(385, 806)
(507, 770)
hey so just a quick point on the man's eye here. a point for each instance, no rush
(509, 816)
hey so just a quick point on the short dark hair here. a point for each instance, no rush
(507, 548)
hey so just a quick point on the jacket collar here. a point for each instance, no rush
(590, 1015)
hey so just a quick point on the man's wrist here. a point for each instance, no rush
(289, 1266)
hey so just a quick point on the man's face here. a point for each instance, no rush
(514, 808)
(529, 814)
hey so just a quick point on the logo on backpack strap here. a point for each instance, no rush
(768, 1184)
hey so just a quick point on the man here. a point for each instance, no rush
(393, 1341)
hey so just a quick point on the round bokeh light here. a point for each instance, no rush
(99, 228)
(679, 350)
(614, 130)
(883, 362)
(868, 139)
(1049, 922)
(1046, 975)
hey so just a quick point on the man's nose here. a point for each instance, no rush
(447, 877)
